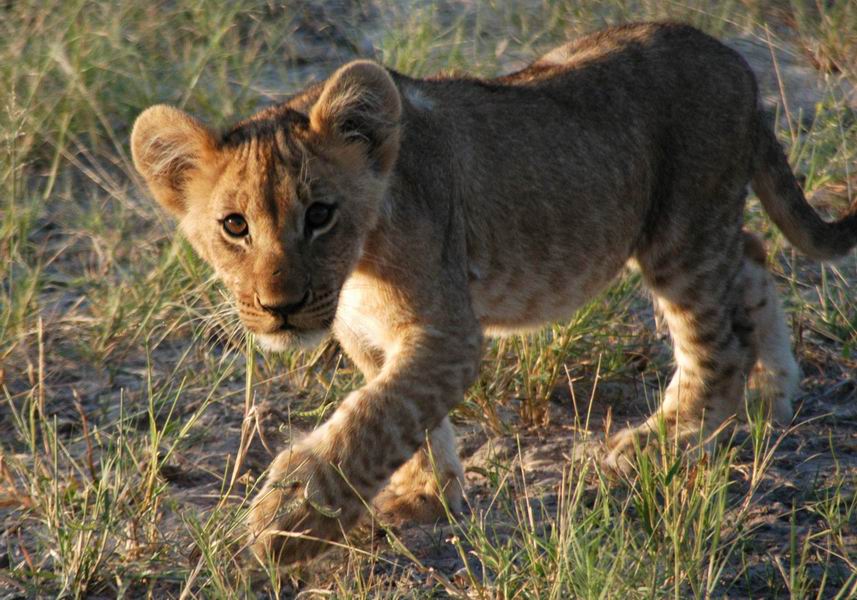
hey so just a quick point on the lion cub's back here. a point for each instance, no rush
(650, 108)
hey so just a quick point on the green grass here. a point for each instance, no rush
(136, 415)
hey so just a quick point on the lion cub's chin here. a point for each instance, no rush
(291, 340)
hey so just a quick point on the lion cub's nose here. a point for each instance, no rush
(282, 309)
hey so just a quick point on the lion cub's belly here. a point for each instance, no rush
(510, 291)
(518, 299)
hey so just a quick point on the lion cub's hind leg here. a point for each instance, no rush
(776, 375)
(418, 490)
(700, 294)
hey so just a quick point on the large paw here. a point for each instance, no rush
(401, 505)
(304, 505)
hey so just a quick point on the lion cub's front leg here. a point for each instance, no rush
(318, 489)
(414, 492)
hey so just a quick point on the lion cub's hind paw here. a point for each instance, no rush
(415, 507)
(402, 506)
(613, 455)
(618, 455)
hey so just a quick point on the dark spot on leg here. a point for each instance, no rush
(705, 337)
(394, 464)
(709, 365)
(742, 327)
(361, 481)
(728, 372)
(661, 280)
(762, 304)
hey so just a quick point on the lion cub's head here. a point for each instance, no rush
(281, 204)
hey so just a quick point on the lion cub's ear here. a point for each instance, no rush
(170, 148)
(360, 104)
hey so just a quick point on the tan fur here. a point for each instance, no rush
(465, 206)
(776, 375)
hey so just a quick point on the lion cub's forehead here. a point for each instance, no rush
(265, 170)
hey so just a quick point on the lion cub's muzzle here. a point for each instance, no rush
(284, 311)
(281, 324)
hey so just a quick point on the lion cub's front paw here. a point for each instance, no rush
(304, 505)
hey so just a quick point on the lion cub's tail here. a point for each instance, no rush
(781, 195)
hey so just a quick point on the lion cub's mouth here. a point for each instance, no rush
(303, 328)
(286, 327)
(263, 325)
(289, 337)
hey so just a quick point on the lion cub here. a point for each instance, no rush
(412, 215)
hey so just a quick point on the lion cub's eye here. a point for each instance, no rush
(318, 215)
(235, 225)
